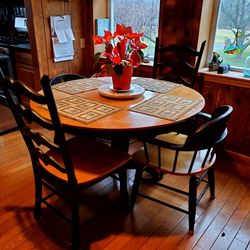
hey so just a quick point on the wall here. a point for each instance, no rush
(38, 13)
(180, 22)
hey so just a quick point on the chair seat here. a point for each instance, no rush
(167, 156)
(92, 160)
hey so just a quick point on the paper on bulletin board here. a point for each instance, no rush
(62, 38)
(62, 51)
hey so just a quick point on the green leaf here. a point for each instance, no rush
(97, 58)
(118, 68)
(141, 54)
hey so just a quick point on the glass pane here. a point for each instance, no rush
(141, 15)
(232, 38)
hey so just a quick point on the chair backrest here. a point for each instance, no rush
(65, 77)
(38, 140)
(177, 63)
(212, 132)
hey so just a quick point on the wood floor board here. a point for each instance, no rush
(238, 245)
(244, 232)
(148, 226)
(233, 225)
(215, 228)
(224, 188)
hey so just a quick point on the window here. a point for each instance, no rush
(141, 15)
(232, 36)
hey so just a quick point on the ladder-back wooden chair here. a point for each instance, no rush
(67, 166)
(190, 155)
(177, 63)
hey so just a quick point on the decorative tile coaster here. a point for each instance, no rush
(84, 110)
(166, 106)
(155, 85)
(79, 85)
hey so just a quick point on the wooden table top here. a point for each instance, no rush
(125, 120)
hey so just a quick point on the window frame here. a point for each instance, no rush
(111, 23)
(214, 21)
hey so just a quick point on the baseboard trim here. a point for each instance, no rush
(242, 163)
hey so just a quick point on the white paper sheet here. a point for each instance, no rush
(62, 38)
(61, 27)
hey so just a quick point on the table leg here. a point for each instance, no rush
(120, 143)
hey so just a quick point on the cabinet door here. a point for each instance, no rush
(25, 73)
(24, 67)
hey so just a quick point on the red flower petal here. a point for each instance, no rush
(97, 40)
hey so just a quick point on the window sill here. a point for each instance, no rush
(231, 78)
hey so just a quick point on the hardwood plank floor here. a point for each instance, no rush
(222, 223)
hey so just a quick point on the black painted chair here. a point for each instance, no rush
(177, 63)
(191, 155)
(65, 77)
(65, 167)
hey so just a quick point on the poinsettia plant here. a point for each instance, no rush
(122, 48)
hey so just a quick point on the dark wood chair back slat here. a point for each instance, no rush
(212, 132)
(65, 77)
(177, 63)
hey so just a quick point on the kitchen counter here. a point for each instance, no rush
(25, 46)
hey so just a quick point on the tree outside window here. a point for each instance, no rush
(141, 15)
(232, 38)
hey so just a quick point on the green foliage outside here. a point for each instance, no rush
(219, 43)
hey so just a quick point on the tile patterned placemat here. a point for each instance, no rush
(80, 85)
(166, 106)
(84, 110)
(155, 85)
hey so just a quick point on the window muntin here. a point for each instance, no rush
(141, 15)
(232, 36)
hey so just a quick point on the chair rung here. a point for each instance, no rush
(57, 211)
(172, 188)
(202, 193)
(201, 178)
(163, 203)
(54, 191)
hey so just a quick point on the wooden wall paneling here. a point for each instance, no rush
(209, 92)
(216, 94)
(35, 25)
(180, 22)
(40, 35)
(167, 22)
(88, 32)
(193, 20)
(53, 8)
(239, 99)
(75, 10)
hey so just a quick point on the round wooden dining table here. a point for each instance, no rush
(121, 126)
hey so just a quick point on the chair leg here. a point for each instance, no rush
(38, 198)
(75, 221)
(211, 181)
(124, 188)
(192, 202)
(135, 189)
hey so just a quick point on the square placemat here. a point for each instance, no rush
(79, 85)
(84, 110)
(166, 106)
(155, 85)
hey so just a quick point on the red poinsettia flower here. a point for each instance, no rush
(123, 47)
